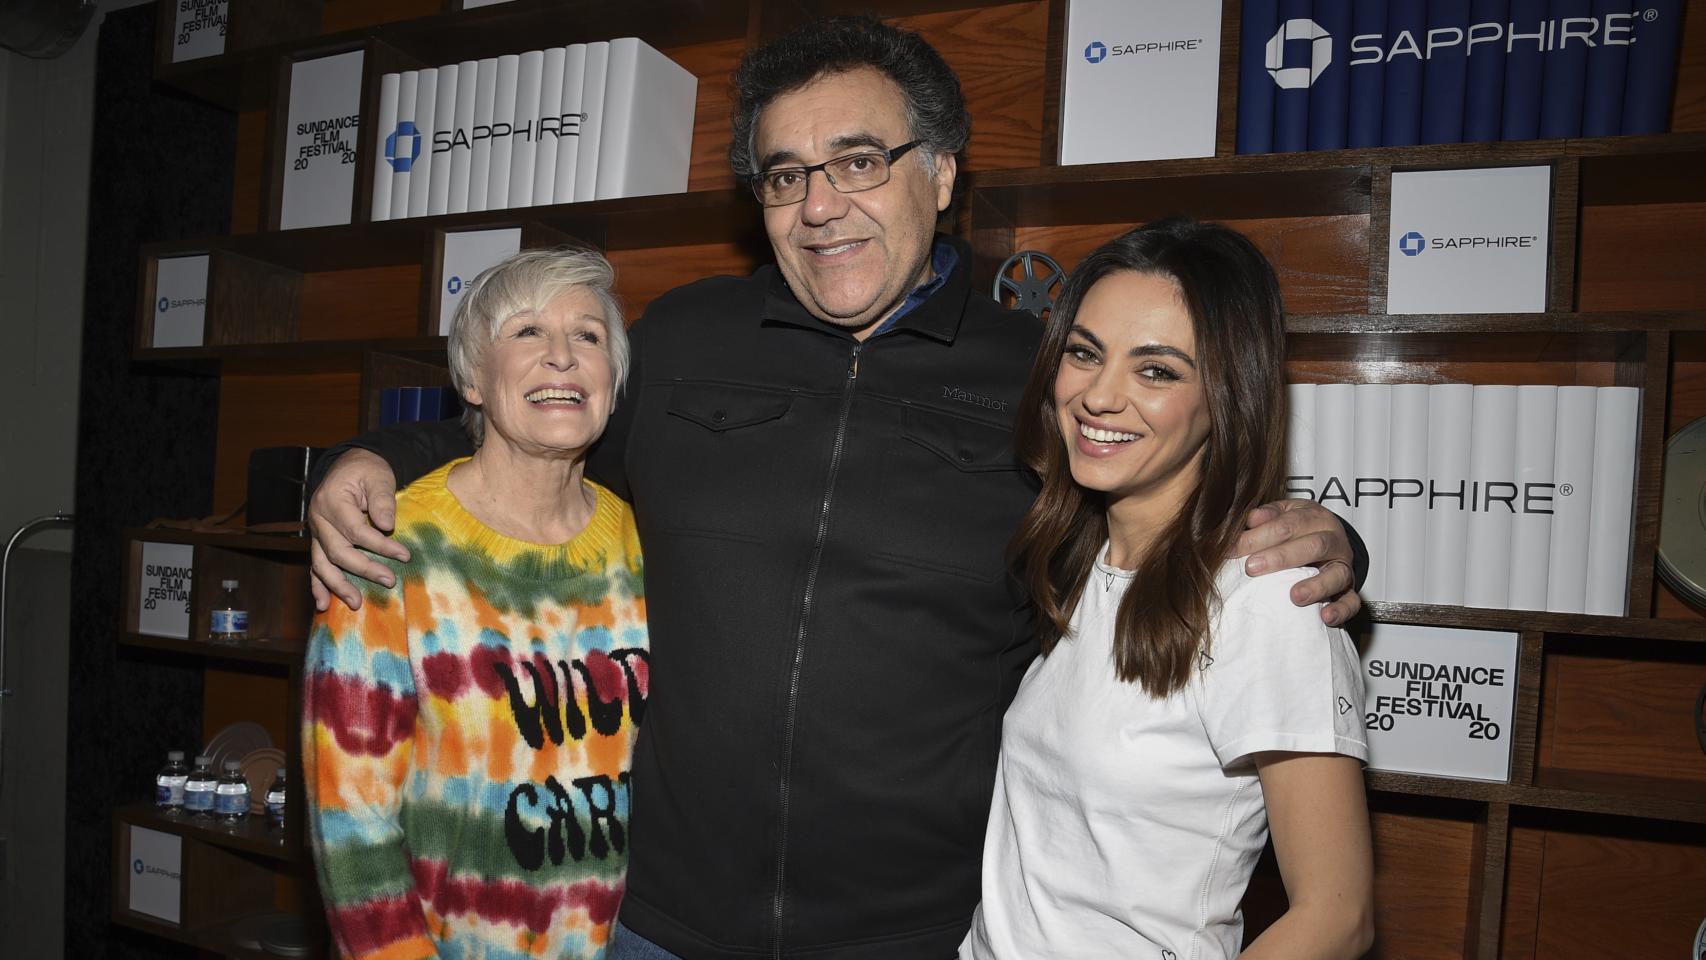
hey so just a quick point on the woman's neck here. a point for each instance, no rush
(1137, 519)
(539, 499)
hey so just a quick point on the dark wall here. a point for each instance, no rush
(161, 170)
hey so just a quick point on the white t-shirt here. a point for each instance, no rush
(1128, 826)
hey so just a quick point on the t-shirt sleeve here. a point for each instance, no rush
(1277, 678)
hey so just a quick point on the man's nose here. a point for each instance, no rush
(823, 202)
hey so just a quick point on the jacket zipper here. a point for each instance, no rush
(783, 788)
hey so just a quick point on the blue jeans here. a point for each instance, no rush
(628, 945)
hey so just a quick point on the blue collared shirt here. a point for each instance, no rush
(943, 259)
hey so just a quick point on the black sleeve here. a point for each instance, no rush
(1359, 553)
(412, 449)
(608, 464)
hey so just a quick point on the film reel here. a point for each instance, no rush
(1031, 290)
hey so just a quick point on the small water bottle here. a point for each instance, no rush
(199, 787)
(169, 783)
(275, 801)
(230, 620)
(231, 795)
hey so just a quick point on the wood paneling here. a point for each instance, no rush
(1524, 860)
(352, 14)
(1642, 257)
(1624, 715)
(257, 411)
(1422, 869)
(999, 53)
(1688, 110)
(642, 275)
(1636, 895)
(229, 696)
(372, 302)
(1451, 371)
(712, 63)
(1322, 262)
(248, 191)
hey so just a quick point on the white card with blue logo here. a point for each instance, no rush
(1142, 80)
(198, 30)
(1437, 700)
(180, 301)
(156, 873)
(323, 122)
(466, 253)
(1470, 241)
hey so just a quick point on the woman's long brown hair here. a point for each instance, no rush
(1238, 319)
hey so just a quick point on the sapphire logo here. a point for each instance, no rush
(164, 303)
(1320, 54)
(137, 866)
(1411, 244)
(1096, 52)
(455, 285)
(403, 147)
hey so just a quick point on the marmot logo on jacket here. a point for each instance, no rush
(975, 399)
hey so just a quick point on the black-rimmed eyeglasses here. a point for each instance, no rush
(853, 173)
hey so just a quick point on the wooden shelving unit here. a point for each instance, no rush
(1606, 779)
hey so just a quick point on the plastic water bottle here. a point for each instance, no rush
(230, 621)
(231, 795)
(275, 801)
(199, 787)
(169, 783)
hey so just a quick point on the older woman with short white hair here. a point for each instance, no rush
(467, 732)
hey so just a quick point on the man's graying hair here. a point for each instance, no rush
(935, 107)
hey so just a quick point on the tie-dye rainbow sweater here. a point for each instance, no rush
(467, 737)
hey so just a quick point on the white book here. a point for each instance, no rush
(1572, 471)
(1300, 441)
(443, 132)
(1531, 527)
(1450, 406)
(402, 144)
(646, 145)
(323, 123)
(571, 120)
(426, 112)
(550, 134)
(388, 89)
(524, 129)
(1335, 433)
(1617, 433)
(1407, 518)
(1371, 461)
(480, 153)
(1492, 462)
(1101, 76)
(460, 136)
(592, 120)
(503, 132)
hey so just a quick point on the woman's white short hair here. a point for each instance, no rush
(524, 283)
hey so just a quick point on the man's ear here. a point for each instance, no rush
(947, 168)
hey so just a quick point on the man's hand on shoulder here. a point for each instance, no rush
(354, 507)
(1301, 533)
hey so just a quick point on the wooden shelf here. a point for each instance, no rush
(249, 835)
(215, 938)
(286, 653)
(1478, 618)
(281, 543)
(1583, 793)
(1323, 183)
(306, 356)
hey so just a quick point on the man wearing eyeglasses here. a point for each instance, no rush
(820, 459)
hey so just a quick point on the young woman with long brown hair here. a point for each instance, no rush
(1181, 707)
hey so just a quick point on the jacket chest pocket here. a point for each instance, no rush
(957, 494)
(713, 448)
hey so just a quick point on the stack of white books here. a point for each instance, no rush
(590, 121)
(1509, 497)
